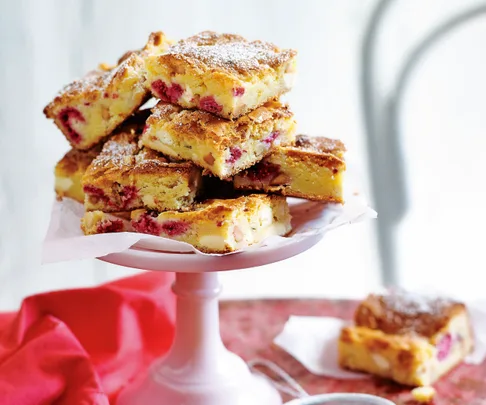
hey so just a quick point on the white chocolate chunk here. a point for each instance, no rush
(63, 183)
(381, 362)
(213, 242)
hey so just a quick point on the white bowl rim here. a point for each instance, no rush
(317, 399)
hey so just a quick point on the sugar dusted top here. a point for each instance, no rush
(413, 304)
(229, 52)
(320, 144)
(197, 124)
(317, 150)
(215, 208)
(401, 312)
(124, 153)
(95, 84)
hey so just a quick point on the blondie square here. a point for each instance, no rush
(220, 146)
(220, 226)
(126, 176)
(89, 109)
(311, 169)
(405, 337)
(221, 73)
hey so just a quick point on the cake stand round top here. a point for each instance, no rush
(189, 262)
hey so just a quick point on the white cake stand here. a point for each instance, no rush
(199, 370)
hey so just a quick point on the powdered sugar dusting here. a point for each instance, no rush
(319, 144)
(411, 304)
(230, 52)
(94, 80)
(118, 151)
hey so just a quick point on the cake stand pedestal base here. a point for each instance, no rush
(199, 370)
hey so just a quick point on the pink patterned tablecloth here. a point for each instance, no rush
(249, 327)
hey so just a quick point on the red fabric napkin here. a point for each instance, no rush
(82, 346)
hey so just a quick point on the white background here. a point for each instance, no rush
(45, 44)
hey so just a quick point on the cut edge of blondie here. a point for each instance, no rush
(409, 338)
(220, 226)
(127, 176)
(311, 169)
(221, 147)
(96, 222)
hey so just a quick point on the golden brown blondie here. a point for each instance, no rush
(221, 73)
(220, 226)
(89, 109)
(406, 337)
(126, 176)
(220, 146)
(312, 168)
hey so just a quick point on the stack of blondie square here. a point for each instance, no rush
(211, 163)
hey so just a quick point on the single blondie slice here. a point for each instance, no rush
(221, 73)
(89, 109)
(408, 338)
(220, 226)
(69, 172)
(126, 176)
(220, 146)
(95, 222)
(310, 169)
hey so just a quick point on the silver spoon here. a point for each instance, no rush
(341, 399)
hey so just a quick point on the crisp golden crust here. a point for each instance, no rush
(219, 132)
(228, 53)
(90, 108)
(287, 192)
(217, 209)
(105, 79)
(320, 144)
(402, 313)
(322, 151)
(75, 161)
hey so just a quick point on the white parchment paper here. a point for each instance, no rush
(65, 240)
(313, 342)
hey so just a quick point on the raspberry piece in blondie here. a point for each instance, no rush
(126, 176)
(220, 226)
(221, 73)
(408, 338)
(89, 109)
(95, 222)
(220, 146)
(70, 170)
(310, 169)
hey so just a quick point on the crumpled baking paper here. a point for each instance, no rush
(65, 240)
(313, 342)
